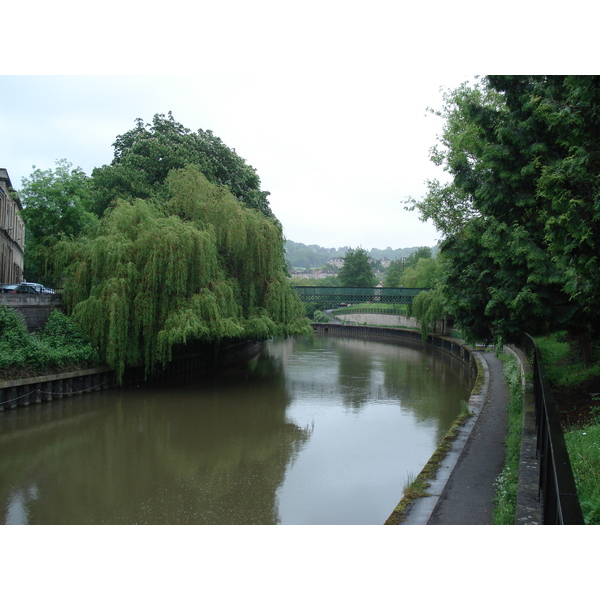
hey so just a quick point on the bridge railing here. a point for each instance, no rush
(558, 493)
(371, 311)
(333, 294)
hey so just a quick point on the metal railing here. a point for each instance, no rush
(371, 311)
(357, 294)
(557, 490)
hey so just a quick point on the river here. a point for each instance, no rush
(321, 431)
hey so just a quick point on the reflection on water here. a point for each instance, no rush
(311, 431)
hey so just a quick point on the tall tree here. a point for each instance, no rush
(152, 280)
(144, 156)
(418, 254)
(523, 153)
(357, 271)
(425, 273)
(56, 202)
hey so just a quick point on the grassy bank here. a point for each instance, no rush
(576, 390)
(583, 444)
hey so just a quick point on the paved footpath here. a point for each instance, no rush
(464, 490)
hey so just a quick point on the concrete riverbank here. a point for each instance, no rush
(463, 489)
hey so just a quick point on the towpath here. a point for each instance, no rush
(464, 489)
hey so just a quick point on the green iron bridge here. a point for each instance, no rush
(348, 295)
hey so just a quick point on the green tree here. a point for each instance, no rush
(55, 203)
(152, 280)
(427, 308)
(145, 155)
(519, 216)
(356, 271)
(418, 254)
(394, 273)
(424, 274)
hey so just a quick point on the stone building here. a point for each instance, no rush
(12, 233)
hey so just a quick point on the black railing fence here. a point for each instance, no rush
(558, 494)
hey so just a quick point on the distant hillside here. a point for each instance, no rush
(301, 256)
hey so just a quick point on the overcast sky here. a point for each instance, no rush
(326, 100)
(338, 152)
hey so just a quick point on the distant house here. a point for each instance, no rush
(312, 274)
(336, 262)
(12, 233)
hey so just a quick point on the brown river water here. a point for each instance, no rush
(321, 431)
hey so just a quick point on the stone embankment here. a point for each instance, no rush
(46, 388)
(383, 320)
(35, 308)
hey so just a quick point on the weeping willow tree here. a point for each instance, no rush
(200, 268)
(427, 308)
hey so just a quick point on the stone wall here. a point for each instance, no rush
(35, 308)
(389, 321)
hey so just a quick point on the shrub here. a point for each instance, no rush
(59, 345)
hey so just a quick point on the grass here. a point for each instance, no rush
(414, 488)
(583, 444)
(563, 366)
(582, 439)
(508, 480)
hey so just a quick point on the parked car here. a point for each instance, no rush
(24, 288)
(39, 287)
(8, 288)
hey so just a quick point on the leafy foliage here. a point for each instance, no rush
(394, 274)
(201, 268)
(145, 155)
(520, 216)
(55, 203)
(59, 345)
(427, 308)
(425, 273)
(356, 271)
(407, 273)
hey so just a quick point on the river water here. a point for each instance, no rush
(321, 431)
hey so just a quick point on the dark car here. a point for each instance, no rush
(8, 288)
(24, 288)
(40, 289)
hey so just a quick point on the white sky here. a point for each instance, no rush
(338, 150)
(325, 99)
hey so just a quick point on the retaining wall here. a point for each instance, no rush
(47, 388)
(451, 345)
(389, 320)
(35, 308)
(528, 508)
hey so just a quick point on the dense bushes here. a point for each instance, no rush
(60, 345)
